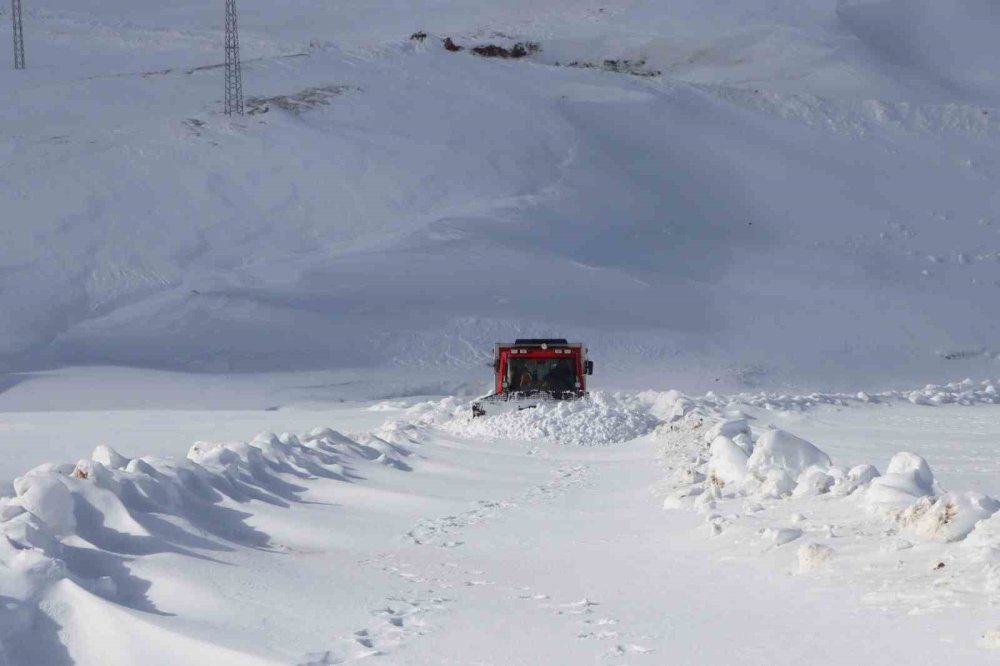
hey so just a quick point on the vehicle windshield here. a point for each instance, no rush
(541, 374)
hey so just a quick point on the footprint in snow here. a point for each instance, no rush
(601, 635)
(582, 603)
(627, 648)
(347, 653)
(582, 607)
(320, 659)
(362, 638)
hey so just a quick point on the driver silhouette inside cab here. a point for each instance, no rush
(525, 381)
(561, 377)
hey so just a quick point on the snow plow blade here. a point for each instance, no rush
(516, 401)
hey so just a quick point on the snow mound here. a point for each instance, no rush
(730, 428)
(813, 556)
(857, 477)
(783, 451)
(598, 420)
(949, 517)
(728, 462)
(907, 479)
(817, 480)
(669, 406)
(67, 524)
(777, 465)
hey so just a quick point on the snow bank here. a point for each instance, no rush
(67, 522)
(776, 465)
(782, 465)
(779, 489)
(670, 406)
(949, 517)
(598, 420)
(907, 478)
(983, 542)
(782, 451)
(728, 462)
(730, 428)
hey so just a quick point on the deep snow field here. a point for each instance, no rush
(624, 529)
(745, 202)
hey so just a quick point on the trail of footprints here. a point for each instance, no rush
(441, 531)
(400, 620)
(592, 626)
(405, 616)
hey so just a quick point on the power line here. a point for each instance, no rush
(234, 74)
(15, 15)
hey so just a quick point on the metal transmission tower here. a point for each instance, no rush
(15, 14)
(234, 74)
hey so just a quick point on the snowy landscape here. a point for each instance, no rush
(239, 354)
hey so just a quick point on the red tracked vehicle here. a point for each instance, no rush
(535, 370)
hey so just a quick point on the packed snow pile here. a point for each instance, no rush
(597, 420)
(948, 517)
(769, 488)
(777, 465)
(907, 479)
(67, 524)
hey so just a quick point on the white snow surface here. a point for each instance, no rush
(350, 545)
(751, 198)
(804, 195)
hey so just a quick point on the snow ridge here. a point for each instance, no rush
(889, 533)
(69, 524)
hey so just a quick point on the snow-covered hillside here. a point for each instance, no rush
(805, 194)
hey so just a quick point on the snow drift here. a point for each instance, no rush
(69, 526)
(766, 488)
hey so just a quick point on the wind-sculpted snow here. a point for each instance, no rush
(763, 488)
(70, 528)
